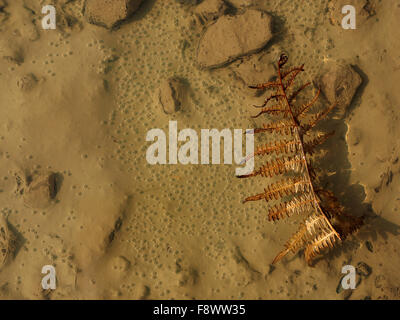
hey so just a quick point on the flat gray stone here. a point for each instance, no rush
(210, 10)
(231, 37)
(170, 95)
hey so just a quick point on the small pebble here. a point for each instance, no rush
(369, 246)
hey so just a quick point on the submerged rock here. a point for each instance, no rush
(209, 10)
(27, 82)
(37, 190)
(170, 95)
(254, 70)
(363, 269)
(231, 37)
(241, 3)
(369, 246)
(365, 9)
(120, 264)
(339, 84)
(109, 13)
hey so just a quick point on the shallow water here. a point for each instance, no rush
(121, 228)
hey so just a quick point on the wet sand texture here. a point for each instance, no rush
(78, 101)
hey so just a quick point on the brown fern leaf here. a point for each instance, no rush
(282, 127)
(294, 71)
(278, 166)
(277, 190)
(316, 118)
(293, 74)
(279, 147)
(283, 59)
(347, 225)
(316, 222)
(295, 242)
(330, 203)
(273, 110)
(326, 222)
(272, 96)
(297, 92)
(324, 240)
(305, 234)
(309, 146)
(271, 84)
(305, 107)
(304, 203)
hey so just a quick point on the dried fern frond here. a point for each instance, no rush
(308, 232)
(324, 240)
(305, 107)
(273, 110)
(295, 242)
(347, 225)
(298, 205)
(277, 190)
(325, 223)
(272, 96)
(330, 203)
(315, 222)
(297, 92)
(294, 71)
(318, 117)
(282, 127)
(279, 166)
(279, 147)
(266, 85)
(309, 146)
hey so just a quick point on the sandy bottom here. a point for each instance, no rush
(120, 228)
